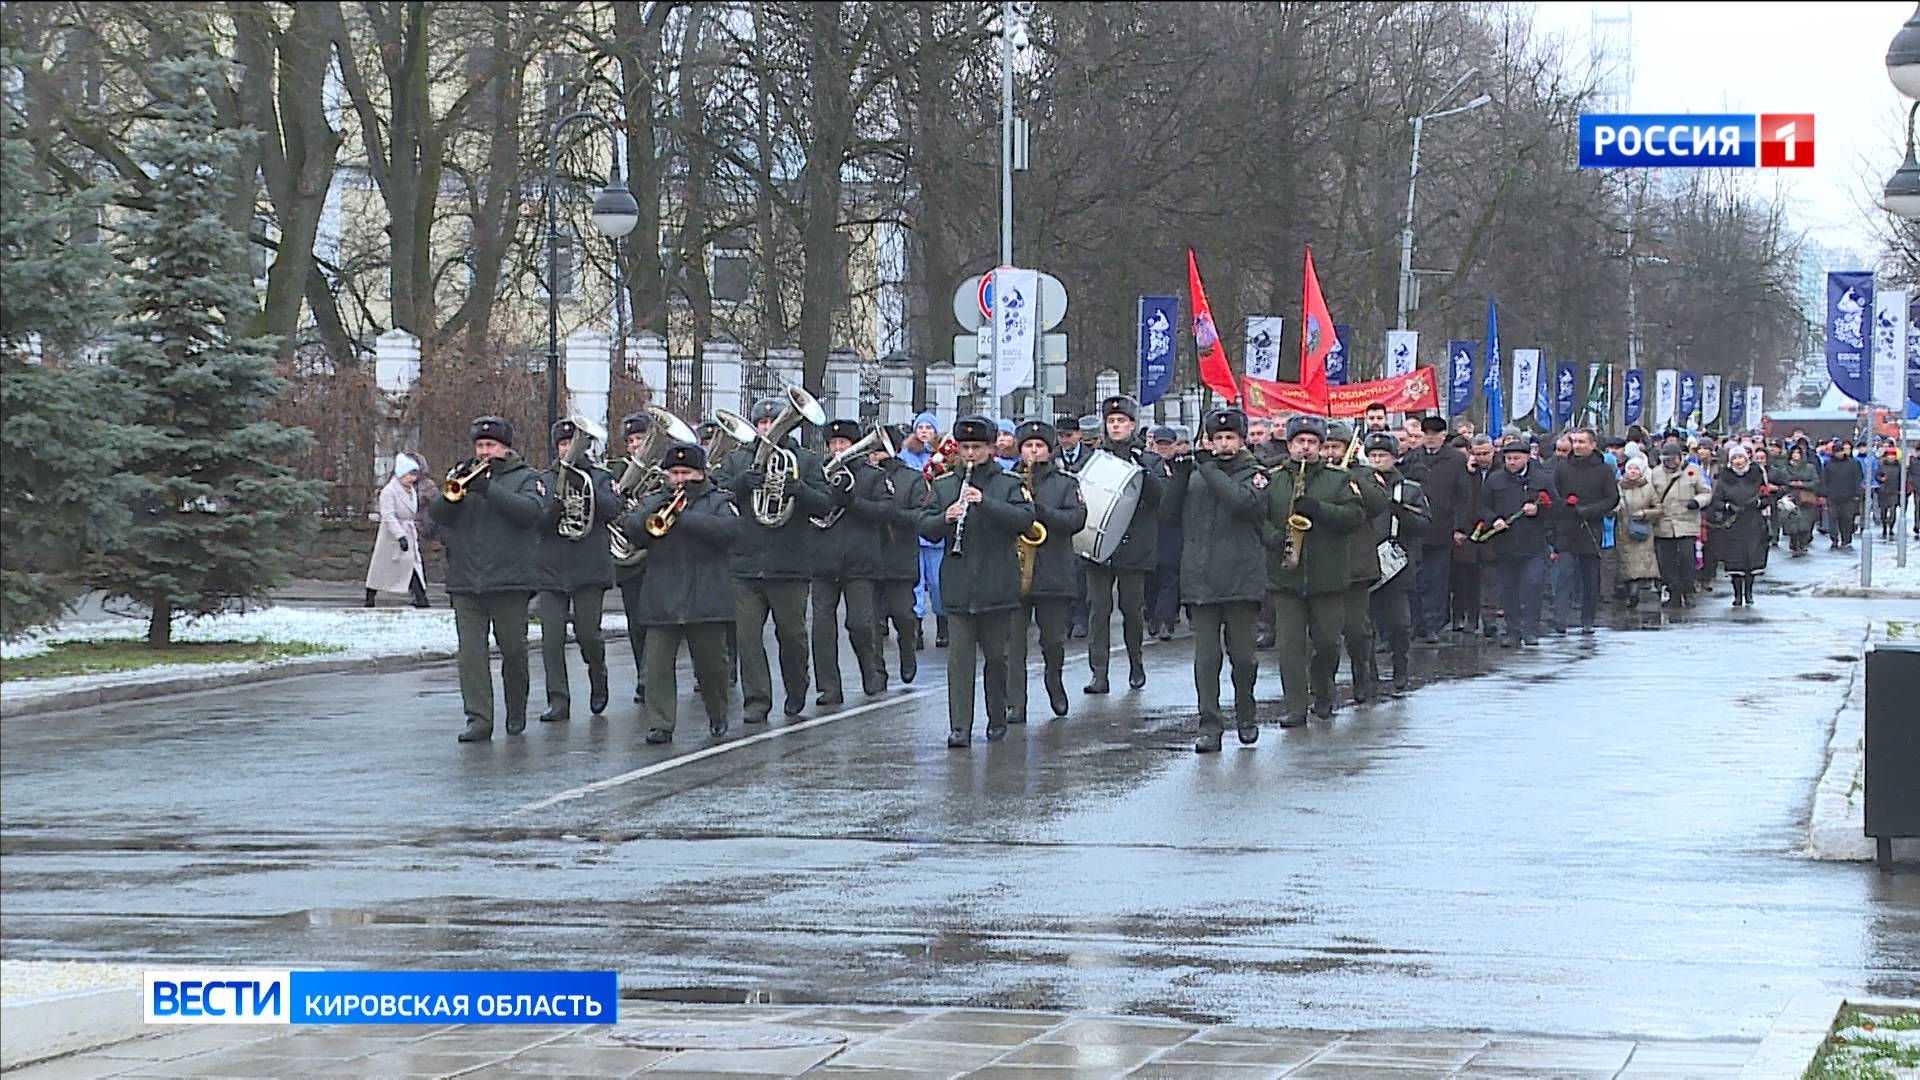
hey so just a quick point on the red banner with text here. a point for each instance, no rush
(1416, 391)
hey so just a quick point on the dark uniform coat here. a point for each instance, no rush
(905, 488)
(1442, 474)
(587, 563)
(624, 573)
(1588, 494)
(1406, 518)
(1742, 545)
(851, 548)
(490, 534)
(1365, 549)
(687, 577)
(985, 575)
(1471, 553)
(1058, 505)
(1221, 504)
(1139, 546)
(786, 553)
(1503, 496)
(1326, 559)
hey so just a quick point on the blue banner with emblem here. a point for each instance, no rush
(1689, 399)
(1496, 418)
(1157, 320)
(1736, 407)
(1849, 300)
(1460, 375)
(1337, 356)
(1565, 392)
(1634, 397)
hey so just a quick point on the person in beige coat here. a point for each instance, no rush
(1680, 492)
(396, 565)
(1638, 564)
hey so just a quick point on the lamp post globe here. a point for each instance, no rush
(615, 213)
(1902, 194)
(1903, 57)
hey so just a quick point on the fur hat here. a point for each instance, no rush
(844, 429)
(491, 427)
(1091, 424)
(1123, 404)
(1219, 420)
(562, 429)
(1306, 425)
(686, 456)
(1036, 429)
(978, 429)
(635, 423)
(767, 409)
(1339, 431)
(1384, 440)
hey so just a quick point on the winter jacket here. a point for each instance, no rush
(392, 567)
(1588, 494)
(785, 553)
(850, 550)
(1843, 480)
(1058, 505)
(1470, 553)
(984, 574)
(1505, 498)
(1139, 545)
(1362, 547)
(1681, 495)
(490, 534)
(1442, 474)
(1637, 503)
(1221, 503)
(899, 537)
(1741, 544)
(1404, 516)
(1331, 500)
(687, 580)
(586, 563)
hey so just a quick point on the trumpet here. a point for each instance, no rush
(455, 487)
(840, 474)
(660, 522)
(643, 476)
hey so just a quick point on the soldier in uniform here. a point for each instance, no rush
(1310, 589)
(1220, 493)
(685, 595)
(771, 571)
(1133, 561)
(905, 489)
(1357, 605)
(490, 572)
(976, 511)
(846, 562)
(574, 578)
(633, 430)
(1059, 506)
(1399, 515)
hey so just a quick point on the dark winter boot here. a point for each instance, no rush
(1739, 591)
(940, 634)
(369, 597)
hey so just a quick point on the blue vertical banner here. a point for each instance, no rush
(1460, 376)
(1634, 397)
(1565, 390)
(1689, 399)
(1849, 300)
(1491, 380)
(1157, 320)
(1736, 407)
(1337, 355)
(1913, 356)
(1542, 393)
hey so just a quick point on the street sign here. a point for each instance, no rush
(973, 302)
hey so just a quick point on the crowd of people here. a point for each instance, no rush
(1313, 538)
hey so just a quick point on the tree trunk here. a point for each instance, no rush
(636, 31)
(821, 290)
(160, 624)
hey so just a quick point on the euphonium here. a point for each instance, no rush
(660, 522)
(840, 474)
(1297, 524)
(455, 487)
(576, 483)
(1028, 548)
(772, 506)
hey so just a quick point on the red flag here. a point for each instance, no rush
(1316, 337)
(1214, 369)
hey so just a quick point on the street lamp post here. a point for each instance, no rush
(1902, 197)
(615, 213)
(1413, 179)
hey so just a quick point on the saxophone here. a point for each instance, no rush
(1028, 547)
(1297, 524)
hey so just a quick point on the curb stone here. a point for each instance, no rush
(51, 1025)
(1855, 592)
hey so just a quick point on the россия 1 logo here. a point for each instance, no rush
(1696, 141)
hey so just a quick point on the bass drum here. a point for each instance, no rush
(1111, 487)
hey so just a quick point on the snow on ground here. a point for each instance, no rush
(34, 978)
(354, 634)
(1885, 574)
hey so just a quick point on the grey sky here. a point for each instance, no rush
(1828, 59)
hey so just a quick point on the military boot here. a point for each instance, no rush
(996, 732)
(1015, 715)
(1057, 693)
(940, 635)
(659, 737)
(516, 724)
(958, 740)
(1248, 731)
(1136, 672)
(476, 732)
(1208, 742)
(597, 693)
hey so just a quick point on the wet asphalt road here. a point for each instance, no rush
(1592, 837)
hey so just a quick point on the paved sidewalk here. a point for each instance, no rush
(659, 1041)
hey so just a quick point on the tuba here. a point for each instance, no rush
(643, 476)
(840, 474)
(1027, 549)
(1297, 524)
(772, 506)
(575, 481)
(732, 431)
(454, 488)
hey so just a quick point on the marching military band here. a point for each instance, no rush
(1316, 537)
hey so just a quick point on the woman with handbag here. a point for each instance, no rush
(1639, 508)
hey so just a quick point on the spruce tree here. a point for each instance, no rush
(214, 514)
(58, 457)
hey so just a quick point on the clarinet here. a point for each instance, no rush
(960, 523)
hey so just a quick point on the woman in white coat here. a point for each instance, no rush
(396, 566)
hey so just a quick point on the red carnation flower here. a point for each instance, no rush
(1572, 500)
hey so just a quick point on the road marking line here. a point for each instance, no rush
(658, 767)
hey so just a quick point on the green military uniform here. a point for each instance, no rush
(1136, 557)
(574, 578)
(772, 568)
(1355, 616)
(1221, 503)
(1059, 506)
(1309, 598)
(490, 578)
(629, 579)
(979, 580)
(846, 561)
(899, 563)
(685, 595)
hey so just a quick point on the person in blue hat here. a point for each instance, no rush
(1006, 448)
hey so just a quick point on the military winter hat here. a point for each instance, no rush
(686, 456)
(1382, 440)
(977, 429)
(1306, 425)
(1036, 429)
(1339, 431)
(844, 429)
(1219, 420)
(767, 409)
(637, 423)
(1430, 423)
(1122, 404)
(707, 430)
(1090, 425)
(562, 429)
(491, 427)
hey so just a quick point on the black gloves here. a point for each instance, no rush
(479, 484)
(1306, 506)
(404, 546)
